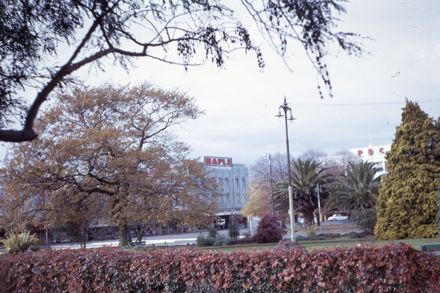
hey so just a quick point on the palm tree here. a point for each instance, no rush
(359, 188)
(307, 175)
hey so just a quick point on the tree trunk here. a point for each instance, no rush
(140, 233)
(123, 231)
(83, 236)
(308, 218)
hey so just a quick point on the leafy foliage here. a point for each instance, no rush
(212, 232)
(107, 153)
(307, 175)
(365, 218)
(268, 230)
(264, 173)
(438, 210)
(407, 203)
(358, 190)
(203, 241)
(259, 201)
(19, 242)
(396, 268)
(217, 240)
(310, 232)
(32, 32)
(221, 240)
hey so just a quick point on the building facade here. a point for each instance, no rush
(374, 154)
(233, 182)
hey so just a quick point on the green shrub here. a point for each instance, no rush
(221, 240)
(307, 238)
(356, 235)
(395, 268)
(19, 242)
(203, 241)
(212, 232)
(310, 231)
(365, 219)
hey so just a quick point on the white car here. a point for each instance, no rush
(220, 223)
(337, 217)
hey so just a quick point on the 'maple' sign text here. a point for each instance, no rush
(218, 161)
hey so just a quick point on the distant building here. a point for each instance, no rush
(233, 181)
(374, 154)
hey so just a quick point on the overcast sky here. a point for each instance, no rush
(241, 101)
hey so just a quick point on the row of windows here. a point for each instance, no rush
(225, 201)
(225, 186)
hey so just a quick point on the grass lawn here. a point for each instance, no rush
(325, 244)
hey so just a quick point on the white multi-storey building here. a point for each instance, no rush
(232, 180)
(374, 154)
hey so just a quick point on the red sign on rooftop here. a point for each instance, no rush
(218, 161)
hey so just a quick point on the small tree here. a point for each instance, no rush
(407, 202)
(269, 230)
(307, 175)
(234, 232)
(366, 219)
(358, 189)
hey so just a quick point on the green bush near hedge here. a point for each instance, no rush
(218, 240)
(395, 268)
(19, 242)
(203, 241)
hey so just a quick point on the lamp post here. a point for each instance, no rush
(271, 181)
(286, 109)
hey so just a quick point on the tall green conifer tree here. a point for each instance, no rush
(407, 202)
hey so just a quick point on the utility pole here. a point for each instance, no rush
(319, 206)
(286, 109)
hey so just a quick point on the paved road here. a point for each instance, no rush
(190, 238)
(161, 240)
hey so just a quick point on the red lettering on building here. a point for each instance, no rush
(370, 152)
(360, 152)
(218, 161)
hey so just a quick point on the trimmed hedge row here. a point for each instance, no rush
(396, 268)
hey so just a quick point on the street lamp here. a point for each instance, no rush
(271, 181)
(286, 109)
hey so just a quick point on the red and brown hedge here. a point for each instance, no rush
(397, 268)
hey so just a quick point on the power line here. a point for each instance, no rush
(362, 103)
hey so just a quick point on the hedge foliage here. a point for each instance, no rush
(397, 268)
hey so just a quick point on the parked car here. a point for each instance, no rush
(337, 217)
(220, 223)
